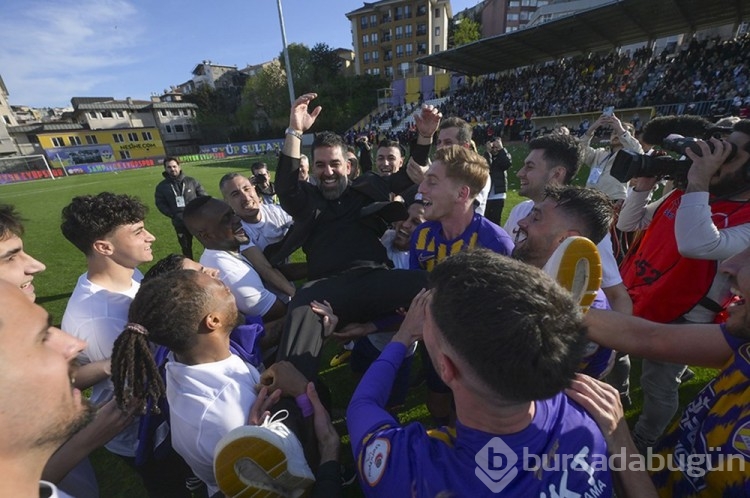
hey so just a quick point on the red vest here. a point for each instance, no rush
(662, 283)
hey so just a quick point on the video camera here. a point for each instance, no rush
(629, 165)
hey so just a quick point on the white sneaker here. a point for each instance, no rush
(576, 266)
(264, 460)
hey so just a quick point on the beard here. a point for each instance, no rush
(333, 193)
(730, 185)
(63, 431)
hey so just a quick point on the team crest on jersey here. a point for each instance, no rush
(741, 439)
(376, 456)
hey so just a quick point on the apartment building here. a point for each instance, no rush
(388, 36)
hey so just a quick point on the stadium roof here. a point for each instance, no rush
(615, 24)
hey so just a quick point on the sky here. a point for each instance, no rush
(52, 50)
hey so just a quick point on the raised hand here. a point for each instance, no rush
(300, 119)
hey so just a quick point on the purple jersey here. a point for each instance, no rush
(561, 453)
(709, 445)
(428, 247)
(598, 360)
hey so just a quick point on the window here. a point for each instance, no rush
(179, 128)
(407, 11)
(163, 112)
(185, 112)
(514, 3)
(118, 114)
(420, 68)
(117, 137)
(512, 17)
(421, 29)
(146, 135)
(366, 57)
(375, 55)
(437, 13)
(421, 48)
(388, 55)
(168, 129)
(124, 154)
(58, 141)
(388, 72)
(399, 32)
(421, 10)
(133, 137)
(387, 36)
(403, 69)
(437, 49)
(363, 22)
(92, 115)
(399, 13)
(175, 112)
(91, 140)
(408, 31)
(376, 71)
(437, 30)
(525, 15)
(387, 16)
(399, 51)
(528, 3)
(409, 49)
(106, 114)
(374, 38)
(365, 40)
(373, 21)
(74, 140)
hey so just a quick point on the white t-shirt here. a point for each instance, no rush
(98, 316)
(272, 227)
(49, 490)
(610, 270)
(207, 401)
(239, 275)
(482, 197)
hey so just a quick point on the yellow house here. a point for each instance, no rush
(81, 146)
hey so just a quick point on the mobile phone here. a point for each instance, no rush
(608, 111)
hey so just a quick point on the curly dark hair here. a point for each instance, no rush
(166, 264)
(88, 218)
(591, 209)
(559, 150)
(521, 333)
(169, 307)
(11, 222)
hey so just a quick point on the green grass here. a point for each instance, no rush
(41, 202)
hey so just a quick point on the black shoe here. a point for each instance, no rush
(687, 376)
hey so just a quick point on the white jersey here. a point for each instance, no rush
(272, 227)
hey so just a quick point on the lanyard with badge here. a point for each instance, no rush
(179, 199)
(597, 170)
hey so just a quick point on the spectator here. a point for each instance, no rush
(263, 185)
(172, 195)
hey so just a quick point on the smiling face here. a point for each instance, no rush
(405, 228)
(219, 228)
(540, 233)
(331, 171)
(737, 269)
(240, 194)
(389, 160)
(535, 174)
(440, 194)
(16, 266)
(128, 245)
(41, 408)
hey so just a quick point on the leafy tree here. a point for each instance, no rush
(466, 31)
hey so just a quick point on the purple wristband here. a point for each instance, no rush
(304, 404)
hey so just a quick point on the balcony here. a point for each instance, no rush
(386, 39)
(422, 32)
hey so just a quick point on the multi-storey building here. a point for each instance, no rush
(506, 16)
(7, 118)
(388, 36)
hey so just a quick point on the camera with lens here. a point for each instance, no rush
(629, 164)
(259, 179)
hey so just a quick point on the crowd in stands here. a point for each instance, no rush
(710, 69)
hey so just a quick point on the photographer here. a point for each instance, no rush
(263, 184)
(672, 275)
(600, 160)
(499, 159)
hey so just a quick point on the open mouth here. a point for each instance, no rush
(521, 236)
(739, 297)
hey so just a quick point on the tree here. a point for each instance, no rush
(466, 31)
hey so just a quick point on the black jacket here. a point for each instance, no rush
(499, 165)
(167, 191)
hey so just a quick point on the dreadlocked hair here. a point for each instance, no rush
(135, 374)
(170, 307)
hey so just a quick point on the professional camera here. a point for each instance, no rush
(259, 179)
(629, 165)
